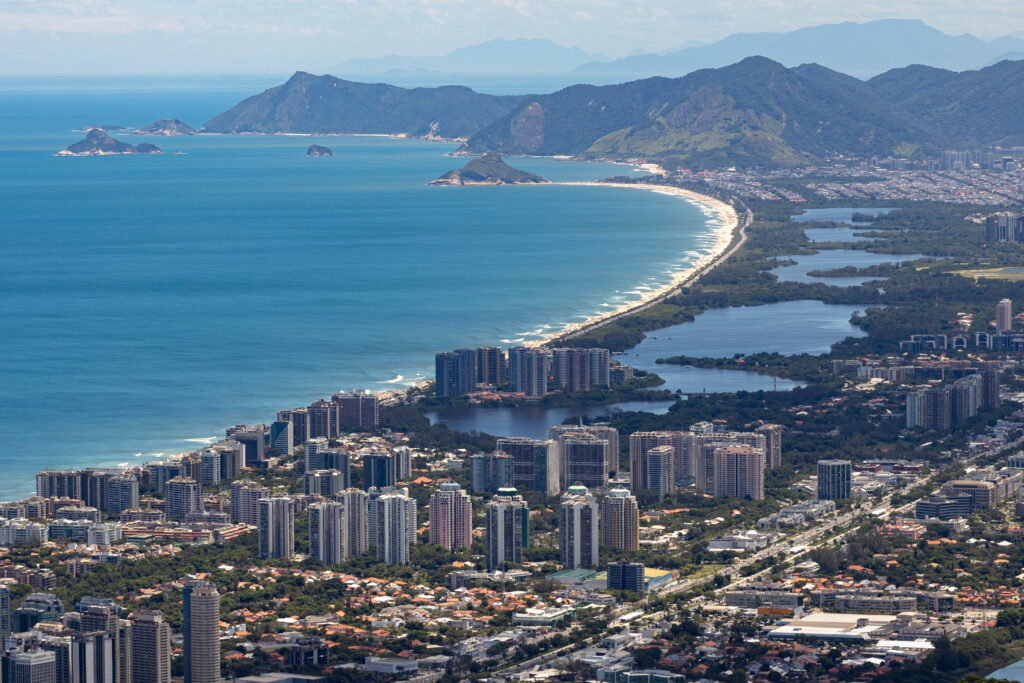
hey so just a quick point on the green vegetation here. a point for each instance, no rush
(488, 169)
(324, 104)
(707, 119)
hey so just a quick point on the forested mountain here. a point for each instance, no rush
(324, 104)
(755, 112)
(970, 107)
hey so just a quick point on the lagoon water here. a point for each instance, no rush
(831, 259)
(147, 302)
(790, 327)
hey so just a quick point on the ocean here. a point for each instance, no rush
(147, 302)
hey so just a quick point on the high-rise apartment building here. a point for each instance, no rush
(989, 387)
(379, 470)
(122, 493)
(490, 472)
(182, 496)
(528, 371)
(834, 477)
(299, 420)
(282, 437)
(575, 369)
(601, 431)
(535, 465)
(328, 532)
(276, 528)
(357, 410)
(6, 613)
(201, 630)
(659, 471)
(455, 373)
(620, 520)
(357, 520)
(578, 529)
(584, 459)
(451, 517)
(59, 484)
(640, 443)
(312, 456)
(491, 368)
(626, 576)
(34, 666)
(245, 497)
(930, 408)
(396, 527)
(1004, 316)
(739, 471)
(323, 483)
(772, 444)
(508, 528)
(254, 442)
(323, 419)
(700, 451)
(151, 648)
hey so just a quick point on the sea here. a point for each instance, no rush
(148, 302)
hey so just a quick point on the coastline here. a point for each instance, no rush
(730, 234)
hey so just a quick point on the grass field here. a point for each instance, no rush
(993, 273)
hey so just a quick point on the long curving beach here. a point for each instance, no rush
(727, 232)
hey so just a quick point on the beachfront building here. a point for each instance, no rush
(528, 371)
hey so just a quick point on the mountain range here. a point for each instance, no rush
(754, 112)
(858, 49)
(522, 56)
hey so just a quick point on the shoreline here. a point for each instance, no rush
(725, 233)
(730, 234)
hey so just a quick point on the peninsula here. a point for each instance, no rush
(488, 169)
(166, 127)
(98, 143)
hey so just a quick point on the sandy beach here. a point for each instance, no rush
(725, 234)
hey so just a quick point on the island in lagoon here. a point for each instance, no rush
(319, 151)
(166, 127)
(98, 143)
(488, 169)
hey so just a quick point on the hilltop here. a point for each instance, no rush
(328, 105)
(98, 143)
(488, 170)
(166, 127)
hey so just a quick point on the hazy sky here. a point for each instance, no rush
(280, 36)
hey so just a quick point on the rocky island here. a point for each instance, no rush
(166, 127)
(488, 170)
(98, 143)
(319, 151)
(105, 127)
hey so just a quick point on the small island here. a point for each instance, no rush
(106, 127)
(319, 151)
(98, 143)
(166, 127)
(488, 170)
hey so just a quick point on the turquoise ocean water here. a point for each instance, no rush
(149, 300)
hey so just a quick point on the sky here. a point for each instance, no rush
(69, 37)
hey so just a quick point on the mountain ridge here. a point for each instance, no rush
(756, 112)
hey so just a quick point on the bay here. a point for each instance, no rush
(152, 300)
